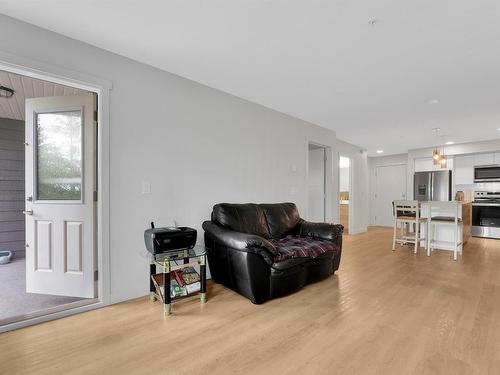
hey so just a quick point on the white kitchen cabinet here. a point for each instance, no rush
(484, 159)
(464, 169)
(426, 165)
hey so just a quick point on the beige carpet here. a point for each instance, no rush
(14, 301)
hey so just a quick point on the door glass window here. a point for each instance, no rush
(59, 155)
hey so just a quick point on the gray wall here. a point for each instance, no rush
(196, 146)
(12, 185)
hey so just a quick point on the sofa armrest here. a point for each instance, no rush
(325, 231)
(241, 241)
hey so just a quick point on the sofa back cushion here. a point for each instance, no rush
(282, 218)
(247, 218)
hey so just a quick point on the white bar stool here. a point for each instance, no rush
(437, 217)
(407, 213)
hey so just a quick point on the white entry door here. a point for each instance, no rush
(390, 186)
(60, 185)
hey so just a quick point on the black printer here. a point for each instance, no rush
(162, 240)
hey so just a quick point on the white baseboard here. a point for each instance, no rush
(358, 230)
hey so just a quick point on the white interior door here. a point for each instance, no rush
(390, 186)
(60, 207)
(316, 184)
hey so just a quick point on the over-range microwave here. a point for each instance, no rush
(487, 173)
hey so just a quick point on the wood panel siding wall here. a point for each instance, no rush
(25, 88)
(12, 185)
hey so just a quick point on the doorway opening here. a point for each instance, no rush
(48, 164)
(344, 191)
(316, 183)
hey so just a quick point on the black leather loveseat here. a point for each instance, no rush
(263, 251)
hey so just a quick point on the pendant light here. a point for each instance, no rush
(443, 163)
(438, 156)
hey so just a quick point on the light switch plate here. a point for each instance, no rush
(146, 187)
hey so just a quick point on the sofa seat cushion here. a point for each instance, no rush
(291, 247)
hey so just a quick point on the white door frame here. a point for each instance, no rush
(328, 180)
(351, 202)
(40, 70)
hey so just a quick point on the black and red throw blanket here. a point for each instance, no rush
(301, 247)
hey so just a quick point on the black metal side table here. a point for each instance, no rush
(176, 260)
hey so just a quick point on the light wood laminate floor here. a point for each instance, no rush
(384, 313)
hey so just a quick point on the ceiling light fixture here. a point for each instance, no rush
(450, 143)
(433, 101)
(6, 92)
(380, 151)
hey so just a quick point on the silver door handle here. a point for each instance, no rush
(28, 212)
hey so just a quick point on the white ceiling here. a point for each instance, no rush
(319, 60)
(25, 88)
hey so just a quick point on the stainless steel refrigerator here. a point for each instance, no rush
(432, 186)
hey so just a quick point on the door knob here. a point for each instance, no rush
(28, 212)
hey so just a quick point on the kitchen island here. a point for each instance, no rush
(443, 234)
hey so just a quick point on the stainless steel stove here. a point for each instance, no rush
(486, 214)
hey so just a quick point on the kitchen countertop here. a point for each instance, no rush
(461, 202)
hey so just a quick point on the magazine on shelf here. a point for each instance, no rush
(190, 276)
(188, 279)
(176, 290)
(157, 279)
(192, 288)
